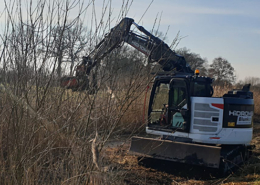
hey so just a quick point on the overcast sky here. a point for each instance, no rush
(211, 28)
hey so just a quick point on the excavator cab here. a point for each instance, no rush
(169, 104)
(170, 101)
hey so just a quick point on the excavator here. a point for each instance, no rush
(191, 126)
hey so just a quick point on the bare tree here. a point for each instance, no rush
(222, 71)
(69, 44)
(45, 130)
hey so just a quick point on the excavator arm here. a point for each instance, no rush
(157, 51)
(154, 48)
(112, 40)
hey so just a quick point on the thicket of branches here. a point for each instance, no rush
(51, 135)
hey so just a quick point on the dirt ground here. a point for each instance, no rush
(131, 170)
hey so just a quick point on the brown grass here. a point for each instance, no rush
(46, 137)
(48, 142)
(220, 91)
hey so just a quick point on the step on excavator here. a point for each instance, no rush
(190, 125)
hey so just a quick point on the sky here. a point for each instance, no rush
(211, 28)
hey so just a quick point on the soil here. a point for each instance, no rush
(129, 169)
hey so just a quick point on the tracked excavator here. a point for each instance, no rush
(190, 125)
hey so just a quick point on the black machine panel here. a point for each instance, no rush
(238, 113)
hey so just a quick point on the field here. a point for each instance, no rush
(63, 137)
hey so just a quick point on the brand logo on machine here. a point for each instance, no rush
(241, 113)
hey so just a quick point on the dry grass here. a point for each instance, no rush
(46, 137)
(220, 91)
(48, 142)
(257, 103)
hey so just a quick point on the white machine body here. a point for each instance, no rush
(206, 124)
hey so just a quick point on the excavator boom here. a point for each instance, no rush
(154, 48)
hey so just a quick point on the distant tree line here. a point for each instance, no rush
(220, 69)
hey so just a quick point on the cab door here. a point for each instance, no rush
(179, 105)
